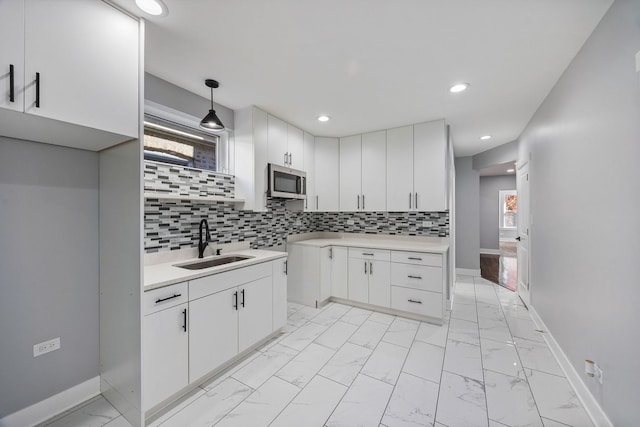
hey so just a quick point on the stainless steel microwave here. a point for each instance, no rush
(286, 183)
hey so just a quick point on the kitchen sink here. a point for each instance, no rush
(213, 262)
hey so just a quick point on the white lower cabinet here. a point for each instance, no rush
(339, 272)
(280, 270)
(369, 281)
(358, 280)
(255, 312)
(424, 303)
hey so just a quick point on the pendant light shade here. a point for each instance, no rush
(211, 120)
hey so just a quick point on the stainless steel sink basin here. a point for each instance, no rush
(213, 262)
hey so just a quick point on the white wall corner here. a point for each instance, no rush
(591, 405)
(54, 405)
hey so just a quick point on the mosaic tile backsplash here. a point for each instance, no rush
(171, 225)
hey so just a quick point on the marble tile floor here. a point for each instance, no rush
(343, 366)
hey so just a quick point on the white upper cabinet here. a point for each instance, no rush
(350, 173)
(416, 167)
(429, 166)
(12, 55)
(295, 147)
(326, 174)
(374, 171)
(79, 67)
(309, 167)
(277, 152)
(251, 135)
(400, 169)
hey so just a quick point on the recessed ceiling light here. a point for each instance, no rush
(485, 137)
(459, 87)
(511, 170)
(324, 118)
(153, 7)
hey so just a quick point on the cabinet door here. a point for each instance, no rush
(255, 312)
(213, 332)
(430, 157)
(339, 269)
(295, 147)
(351, 173)
(165, 361)
(400, 169)
(380, 283)
(279, 293)
(95, 82)
(12, 53)
(277, 147)
(374, 177)
(359, 280)
(325, 273)
(327, 160)
(309, 167)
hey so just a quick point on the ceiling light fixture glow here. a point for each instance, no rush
(152, 7)
(324, 118)
(511, 170)
(485, 137)
(176, 131)
(459, 87)
(211, 120)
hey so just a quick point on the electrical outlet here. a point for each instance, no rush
(427, 223)
(598, 372)
(46, 347)
(350, 222)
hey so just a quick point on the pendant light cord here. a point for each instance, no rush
(212, 98)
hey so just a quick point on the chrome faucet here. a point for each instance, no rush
(202, 244)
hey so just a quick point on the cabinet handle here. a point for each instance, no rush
(414, 301)
(415, 277)
(416, 204)
(365, 267)
(168, 298)
(367, 254)
(330, 253)
(242, 292)
(37, 90)
(370, 268)
(184, 320)
(363, 201)
(358, 201)
(409, 200)
(235, 296)
(286, 267)
(285, 158)
(12, 97)
(290, 159)
(316, 202)
(415, 258)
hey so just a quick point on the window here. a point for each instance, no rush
(169, 142)
(508, 209)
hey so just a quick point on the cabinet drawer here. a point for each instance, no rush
(161, 298)
(420, 258)
(208, 285)
(416, 301)
(417, 276)
(372, 254)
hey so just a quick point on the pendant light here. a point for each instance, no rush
(211, 120)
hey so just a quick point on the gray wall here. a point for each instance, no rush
(467, 214)
(48, 269)
(496, 156)
(490, 187)
(172, 96)
(584, 142)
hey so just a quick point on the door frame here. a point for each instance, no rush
(524, 291)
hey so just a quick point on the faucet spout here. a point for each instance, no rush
(202, 243)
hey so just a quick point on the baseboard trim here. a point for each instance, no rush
(591, 405)
(490, 251)
(468, 272)
(54, 405)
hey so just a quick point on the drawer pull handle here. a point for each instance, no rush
(12, 95)
(242, 292)
(415, 258)
(414, 301)
(235, 296)
(158, 301)
(415, 277)
(37, 90)
(184, 320)
(367, 254)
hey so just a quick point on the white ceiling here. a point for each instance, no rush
(499, 169)
(374, 64)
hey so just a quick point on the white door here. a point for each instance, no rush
(279, 293)
(12, 54)
(429, 161)
(94, 82)
(295, 144)
(359, 279)
(309, 167)
(339, 275)
(166, 346)
(255, 308)
(380, 283)
(400, 169)
(522, 186)
(213, 332)
(374, 177)
(351, 173)
(277, 152)
(327, 159)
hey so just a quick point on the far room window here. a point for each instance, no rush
(508, 209)
(169, 142)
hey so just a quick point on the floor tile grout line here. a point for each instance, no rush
(484, 381)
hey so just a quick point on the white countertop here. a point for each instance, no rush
(397, 243)
(166, 273)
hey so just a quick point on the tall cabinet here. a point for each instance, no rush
(363, 172)
(326, 174)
